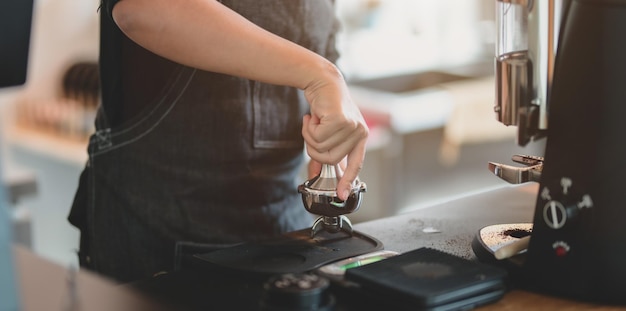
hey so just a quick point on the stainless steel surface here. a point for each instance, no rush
(332, 224)
(319, 196)
(511, 86)
(543, 21)
(525, 63)
(519, 175)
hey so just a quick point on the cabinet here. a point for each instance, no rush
(56, 164)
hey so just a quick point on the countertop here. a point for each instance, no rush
(449, 226)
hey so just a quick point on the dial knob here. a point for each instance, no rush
(563, 204)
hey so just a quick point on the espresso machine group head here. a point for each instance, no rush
(561, 74)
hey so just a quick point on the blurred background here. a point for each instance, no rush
(421, 71)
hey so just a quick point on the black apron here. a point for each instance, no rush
(214, 161)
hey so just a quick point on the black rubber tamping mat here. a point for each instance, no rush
(294, 252)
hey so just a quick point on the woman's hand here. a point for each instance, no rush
(335, 130)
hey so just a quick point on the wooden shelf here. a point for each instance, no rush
(72, 150)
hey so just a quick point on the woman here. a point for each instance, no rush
(205, 106)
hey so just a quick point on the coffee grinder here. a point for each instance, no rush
(561, 74)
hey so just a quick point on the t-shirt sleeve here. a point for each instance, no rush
(106, 7)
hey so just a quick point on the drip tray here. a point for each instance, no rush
(294, 252)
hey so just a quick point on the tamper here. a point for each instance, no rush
(319, 195)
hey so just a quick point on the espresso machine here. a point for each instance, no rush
(561, 75)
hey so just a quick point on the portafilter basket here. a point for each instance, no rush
(319, 196)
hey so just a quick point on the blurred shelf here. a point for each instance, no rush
(18, 183)
(72, 150)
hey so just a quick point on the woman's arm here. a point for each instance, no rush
(207, 35)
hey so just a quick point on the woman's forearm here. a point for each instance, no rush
(207, 35)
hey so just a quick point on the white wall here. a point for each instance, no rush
(386, 37)
(63, 32)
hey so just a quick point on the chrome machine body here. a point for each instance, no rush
(561, 74)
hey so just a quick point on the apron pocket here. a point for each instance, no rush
(278, 112)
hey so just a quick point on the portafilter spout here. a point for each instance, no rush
(319, 195)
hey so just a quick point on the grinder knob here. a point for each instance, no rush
(562, 206)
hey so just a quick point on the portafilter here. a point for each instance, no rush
(319, 195)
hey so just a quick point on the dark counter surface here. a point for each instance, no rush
(451, 226)
(448, 226)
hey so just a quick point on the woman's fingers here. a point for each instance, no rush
(332, 142)
(336, 142)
